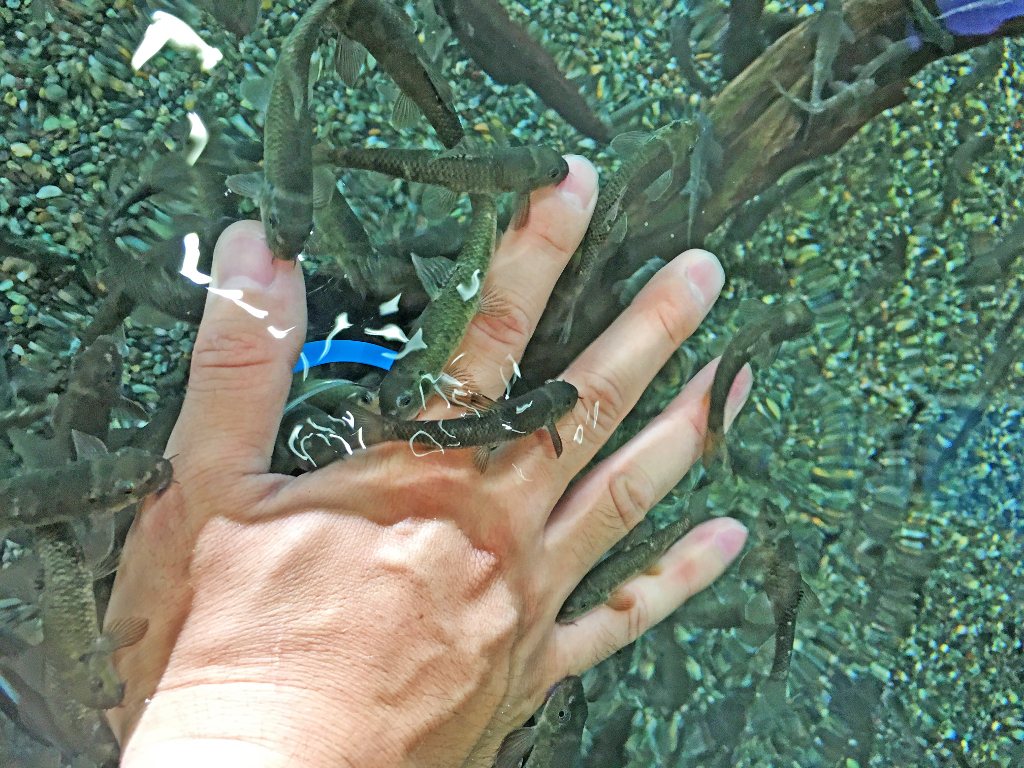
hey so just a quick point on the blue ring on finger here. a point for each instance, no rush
(316, 353)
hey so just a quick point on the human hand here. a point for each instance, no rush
(391, 609)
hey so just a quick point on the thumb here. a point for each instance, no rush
(251, 335)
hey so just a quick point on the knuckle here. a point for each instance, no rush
(632, 493)
(606, 389)
(639, 619)
(670, 315)
(232, 348)
(511, 329)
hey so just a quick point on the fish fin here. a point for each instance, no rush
(808, 599)
(492, 304)
(563, 337)
(522, 210)
(437, 79)
(481, 401)
(349, 57)
(36, 452)
(256, 90)
(405, 113)
(96, 535)
(657, 188)
(438, 202)
(433, 273)
(126, 632)
(620, 600)
(556, 439)
(654, 569)
(132, 409)
(246, 184)
(324, 187)
(515, 748)
(87, 446)
(618, 233)
(481, 457)
(625, 144)
(758, 610)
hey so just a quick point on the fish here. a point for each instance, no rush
(743, 41)
(388, 33)
(330, 395)
(94, 390)
(554, 740)
(705, 158)
(99, 485)
(755, 211)
(780, 322)
(660, 151)
(601, 582)
(503, 169)
(679, 47)
(627, 290)
(507, 52)
(830, 30)
(339, 236)
(284, 188)
(423, 364)
(988, 266)
(776, 557)
(78, 655)
(333, 437)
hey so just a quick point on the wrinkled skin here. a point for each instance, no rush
(393, 610)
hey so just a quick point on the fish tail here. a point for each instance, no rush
(714, 449)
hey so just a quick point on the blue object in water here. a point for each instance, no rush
(977, 17)
(321, 352)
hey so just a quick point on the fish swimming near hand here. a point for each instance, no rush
(422, 367)
(704, 160)
(650, 155)
(333, 437)
(387, 32)
(555, 740)
(504, 169)
(598, 586)
(761, 337)
(78, 655)
(99, 485)
(509, 54)
(284, 189)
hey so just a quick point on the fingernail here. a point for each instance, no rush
(579, 187)
(242, 259)
(738, 394)
(731, 538)
(706, 278)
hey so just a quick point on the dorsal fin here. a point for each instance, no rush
(87, 446)
(433, 273)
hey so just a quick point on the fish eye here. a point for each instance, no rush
(96, 685)
(564, 715)
(366, 398)
(274, 220)
(554, 172)
(404, 400)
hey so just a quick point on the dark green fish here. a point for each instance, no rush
(780, 322)
(554, 741)
(422, 366)
(655, 155)
(618, 568)
(78, 655)
(388, 33)
(704, 160)
(504, 169)
(100, 485)
(318, 438)
(330, 395)
(831, 30)
(784, 586)
(284, 189)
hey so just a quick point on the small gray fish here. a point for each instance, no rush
(603, 579)
(655, 155)
(99, 485)
(554, 741)
(387, 32)
(336, 437)
(423, 367)
(705, 158)
(284, 189)
(780, 322)
(504, 169)
(78, 655)
(831, 30)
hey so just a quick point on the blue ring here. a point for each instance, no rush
(345, 352)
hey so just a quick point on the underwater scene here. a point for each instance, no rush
(857, 167)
